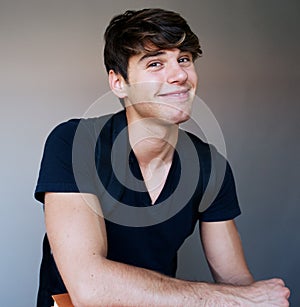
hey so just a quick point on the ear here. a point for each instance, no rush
(117, 84)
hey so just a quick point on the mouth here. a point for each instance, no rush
(183, 94)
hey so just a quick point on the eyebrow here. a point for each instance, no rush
(151, 54)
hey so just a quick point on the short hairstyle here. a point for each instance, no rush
(131, 33)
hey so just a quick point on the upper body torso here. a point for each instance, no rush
(94, 156)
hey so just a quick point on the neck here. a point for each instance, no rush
(152, 141)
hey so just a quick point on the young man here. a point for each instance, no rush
(122, 192)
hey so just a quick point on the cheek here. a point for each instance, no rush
(145, 91)
(193, 77)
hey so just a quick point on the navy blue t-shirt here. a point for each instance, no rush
(94, 156)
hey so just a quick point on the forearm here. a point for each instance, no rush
(77, 239)
(117, 284)
(109, 283)
(243, 278)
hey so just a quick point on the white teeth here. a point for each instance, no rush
(178, 94)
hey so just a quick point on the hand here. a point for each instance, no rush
(272, 292)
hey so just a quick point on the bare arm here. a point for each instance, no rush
(224, 253)
(77, 237)
(225, 256)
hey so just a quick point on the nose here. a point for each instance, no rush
(176, 74)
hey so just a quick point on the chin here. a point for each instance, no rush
(183, 116)
(183, 119)
(179, 118)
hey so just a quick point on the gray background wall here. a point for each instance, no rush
(51, 70)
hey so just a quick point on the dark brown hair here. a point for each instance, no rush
(130, 33)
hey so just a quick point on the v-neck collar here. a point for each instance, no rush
(170, 183)
(128, 185)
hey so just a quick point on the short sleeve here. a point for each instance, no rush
(57, 170)
(225, 206)
(217, 192)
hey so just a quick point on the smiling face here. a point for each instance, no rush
(161, 85)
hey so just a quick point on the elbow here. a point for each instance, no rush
(96, 298)
(91, 287)
(86, 295)
(80, 300)
(90, 294)
(84, 298)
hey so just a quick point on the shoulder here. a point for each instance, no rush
(68, 130)
(64, 129)
(205, 150)
(80, 133)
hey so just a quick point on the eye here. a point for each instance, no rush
(184, 59)
(155, 64)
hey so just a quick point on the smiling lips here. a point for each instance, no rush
(179, 94)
